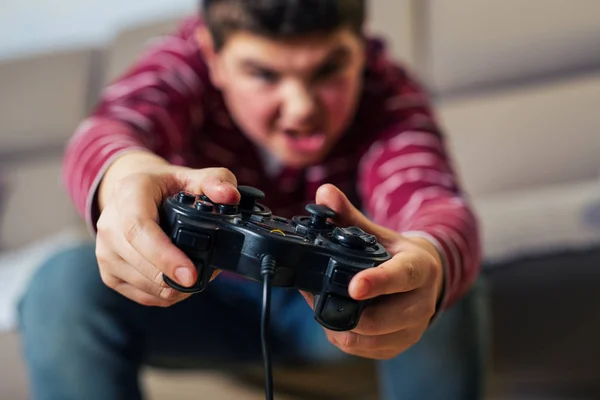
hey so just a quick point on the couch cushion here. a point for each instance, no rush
(468, 43)
(538, 220)
(128, 44)
(2, 199)
(43, 99)
(36, 206)
(540, 135)
(13, 380)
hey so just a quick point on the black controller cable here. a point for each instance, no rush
(267, 270)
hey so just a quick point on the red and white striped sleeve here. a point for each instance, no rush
(150, 107)
(408, 184)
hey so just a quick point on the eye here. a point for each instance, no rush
(265, 75)
(328, 71)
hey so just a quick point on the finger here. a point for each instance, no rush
(403, 273)
(219, 184)
(128, 255)
(309, 297)
(126, 273)
(378, 347)
(137, 222)
(147, 238)
(142, 297)
(348, 215)
(115, 271)
(393, 313)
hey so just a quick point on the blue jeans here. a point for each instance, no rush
(83, 340)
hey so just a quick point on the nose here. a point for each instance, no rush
(299, 105)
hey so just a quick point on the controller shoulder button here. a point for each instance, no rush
(339, 311)
(192, 240)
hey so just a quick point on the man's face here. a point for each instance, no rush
(294, 98)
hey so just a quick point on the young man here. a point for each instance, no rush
(291, 98)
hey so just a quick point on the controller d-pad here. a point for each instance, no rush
(186, 198)
(227, 209)
(339, 311)
(353, 237)
(204, 206)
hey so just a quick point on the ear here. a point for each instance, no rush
(207, 46)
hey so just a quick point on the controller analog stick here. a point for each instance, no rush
(186, 198)
(249, 196)
(353, 237)
(318, 215)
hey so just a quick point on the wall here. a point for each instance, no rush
(27, 27)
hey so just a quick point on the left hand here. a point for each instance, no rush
(406, 288)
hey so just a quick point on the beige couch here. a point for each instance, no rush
(517, 87)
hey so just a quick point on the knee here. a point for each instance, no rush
(59, 298)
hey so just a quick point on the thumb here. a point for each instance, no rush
(218, 184)
(348, 215)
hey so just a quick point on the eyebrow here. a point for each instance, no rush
(339, 54)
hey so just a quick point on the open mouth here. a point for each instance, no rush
(303, 141)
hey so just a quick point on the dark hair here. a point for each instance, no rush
(281, 18)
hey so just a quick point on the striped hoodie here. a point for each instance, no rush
(392, 162)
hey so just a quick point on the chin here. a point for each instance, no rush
(303, 161)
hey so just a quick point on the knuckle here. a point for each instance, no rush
(101, 253)
(101, 225)
(370, 322)
(163, 261)
(429, 310)
(385, 355)
(349, 342)
(132, 229)
(412, 273)
(152, 301)
(146, 286)
(412, 312)
(226, 174)
(108, 279)
(147, 301)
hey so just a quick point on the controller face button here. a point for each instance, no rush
(353, 237)
(227, 209)
(204, 206)
(280, 219)
(193, 240)
(186, 198)
(339, 311)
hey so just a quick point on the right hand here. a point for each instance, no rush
(133, 252)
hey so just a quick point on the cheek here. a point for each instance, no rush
(253, 110)
(339, 99)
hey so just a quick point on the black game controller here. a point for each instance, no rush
(306, 253)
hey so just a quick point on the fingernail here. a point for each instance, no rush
(184, 276)
(166, 293)
(361, 288)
